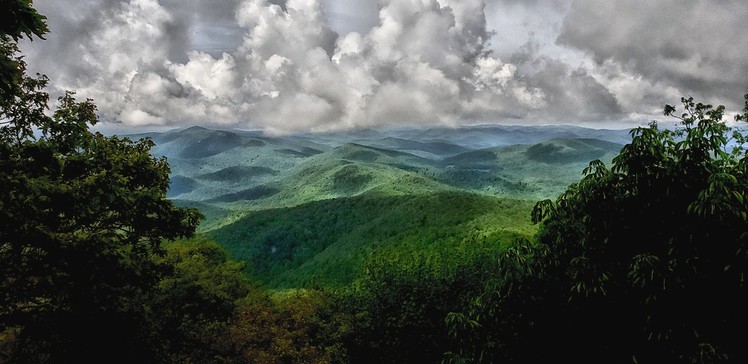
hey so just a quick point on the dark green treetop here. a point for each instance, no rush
(660, 240)
(82, 216)
(645, 261)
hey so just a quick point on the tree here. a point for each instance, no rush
(644, 261)
(18, 19)
(195, 302)
(303, 326)
(661, 239)
(82, 217)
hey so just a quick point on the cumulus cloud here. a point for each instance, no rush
(696, 47)
(279, 65)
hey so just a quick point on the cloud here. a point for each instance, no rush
(696, 47)
(279, 65)
(347, 16)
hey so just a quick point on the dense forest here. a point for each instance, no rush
(643, 260)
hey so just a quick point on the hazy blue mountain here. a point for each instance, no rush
(234, 172)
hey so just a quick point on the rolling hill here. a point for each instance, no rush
(327, 241)
(310, 207)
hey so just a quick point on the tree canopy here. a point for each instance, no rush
(644, 261)
(641, 261)
(82, 217)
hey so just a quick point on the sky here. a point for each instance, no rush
(288, 66)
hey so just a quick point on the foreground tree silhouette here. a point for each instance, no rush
(81, 218)
(645, 261)
(660, 240)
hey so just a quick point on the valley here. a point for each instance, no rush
(313, 208)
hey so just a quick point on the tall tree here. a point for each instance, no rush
(81, 218)
(644, 261)
(658, 243)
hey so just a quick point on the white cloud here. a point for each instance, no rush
(214, 78)
(283, 68)
(695, 47)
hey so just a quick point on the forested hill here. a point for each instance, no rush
(494, 244)
(310, 209)
(235, 171)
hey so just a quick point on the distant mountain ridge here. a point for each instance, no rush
(314, 205)
(475, 137)
(228, 168)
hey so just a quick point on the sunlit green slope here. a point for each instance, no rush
(311, 208)
(326, 241)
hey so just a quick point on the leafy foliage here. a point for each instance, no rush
(196, 299)
(402, 298)
(306, 326)
(19, 19)
(82, 217)
(643, 261)
(326, 241)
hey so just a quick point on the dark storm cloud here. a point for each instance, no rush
(698, 47)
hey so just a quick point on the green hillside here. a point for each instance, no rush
(429, 149)
(181, 184)
(327, 241)
(352, 169)
(525, 171)
(240, 171)
(311, 209)
(564, 151)
(237, 174)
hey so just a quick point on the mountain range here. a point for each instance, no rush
(307, 207)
